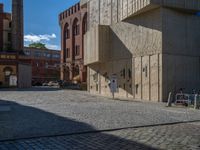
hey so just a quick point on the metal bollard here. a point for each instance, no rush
(195, 102)
(169, 103)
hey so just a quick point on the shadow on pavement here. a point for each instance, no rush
(21, 122)
(39, 88)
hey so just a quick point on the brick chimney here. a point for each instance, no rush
(17, 25)
(1, 26)
(1, 8)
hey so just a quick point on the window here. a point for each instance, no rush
(68, 53)
(64, 55)
(77, 50)
(27, 52)
(48, 55)
(10, 24)
(46, 65)
(9, 37)
(38, 54)
(129, 73)
(76, 27)
(76, 30)
(56, 56)
(66, 32)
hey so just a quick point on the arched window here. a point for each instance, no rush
(84, 25)
(76, 27)
(66, 31)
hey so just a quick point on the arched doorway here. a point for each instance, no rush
(76, 74)
(7, 73)
(66, 74)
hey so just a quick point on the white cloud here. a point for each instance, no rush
(38, 38)
(54, 47)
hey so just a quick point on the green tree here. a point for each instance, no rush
(38, 45)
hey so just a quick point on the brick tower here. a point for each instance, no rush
(17, 25)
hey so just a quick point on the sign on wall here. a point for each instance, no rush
(113, 84)
(13, 80)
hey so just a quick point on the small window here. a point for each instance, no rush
(77, 50)
(68, 53)
(9, 37)
(129, 73)
(10, 24)
(76, 29)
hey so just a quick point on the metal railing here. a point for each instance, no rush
(191, 100)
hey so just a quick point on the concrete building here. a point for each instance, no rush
(45, 64)
(151, 46)
(73, 23)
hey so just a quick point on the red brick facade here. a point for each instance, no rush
(45, 64)
(4, 43)
(73, 27)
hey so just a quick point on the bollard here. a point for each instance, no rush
(169, 103)
(195, 102)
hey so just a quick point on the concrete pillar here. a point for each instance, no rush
(17, 25)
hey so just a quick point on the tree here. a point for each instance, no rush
(37, 45)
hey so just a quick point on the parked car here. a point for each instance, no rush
(45, 84)
(53, 83)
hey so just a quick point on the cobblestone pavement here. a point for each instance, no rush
(48, 112)
(170, 137)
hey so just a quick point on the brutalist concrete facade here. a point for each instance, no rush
(152, 46)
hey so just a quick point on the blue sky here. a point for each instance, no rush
(41, 20)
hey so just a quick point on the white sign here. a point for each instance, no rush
(13, 80)
(113, 84)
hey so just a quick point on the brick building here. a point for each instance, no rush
(45, 64)
(73, 26)
(5, 29)
(14, 69)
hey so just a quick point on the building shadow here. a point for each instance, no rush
(34, 88)
(25, 122)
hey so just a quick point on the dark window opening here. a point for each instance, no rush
(68, 53)
(77, 50)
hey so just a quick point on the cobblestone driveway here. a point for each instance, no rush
(171, 137)
(49, 112)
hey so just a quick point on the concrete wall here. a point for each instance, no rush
(97, 43)
(24, 76)
(135, 45)
(106, 12)
(181, 66)
(157, 39)
(148, 77)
